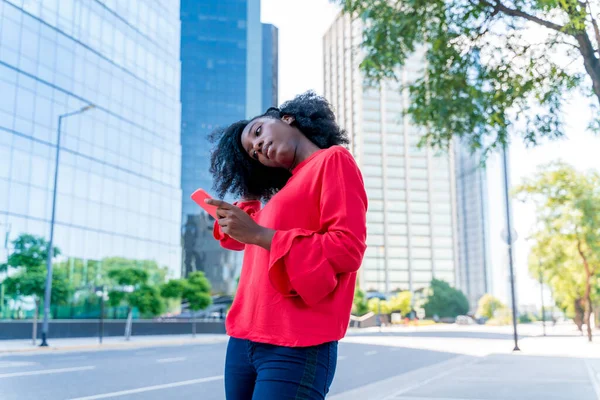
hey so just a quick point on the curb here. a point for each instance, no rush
(111, 346)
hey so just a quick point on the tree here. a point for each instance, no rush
(567, 234)
(401, 302)
(195, 290)
(488, 62)
(28, 261)
(445, 301)
(487, 305)
(132, 289)
(359, 305)
(378, 306)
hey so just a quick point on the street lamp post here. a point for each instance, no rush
(509, 241)
(102, 296)
(50, 251)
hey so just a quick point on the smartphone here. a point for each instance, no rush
(199, 196)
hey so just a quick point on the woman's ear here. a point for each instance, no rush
(288, 119)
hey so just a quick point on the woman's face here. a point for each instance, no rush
(273, 142)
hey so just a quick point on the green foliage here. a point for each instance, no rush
(484, 72)
(527, 318)
(359, 305)
(567, 234)
(195, 290)
(445, 301)
(401, 302)
(90, 273)
(379, 306)
(147, 300)
(488, 305)
(173, 289)
(30, 252)
(128, 276)
(131, 287)
(29, 260)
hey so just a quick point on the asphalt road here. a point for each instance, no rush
(180, 372)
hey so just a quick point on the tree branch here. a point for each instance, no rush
(522, 14)
(594, 24)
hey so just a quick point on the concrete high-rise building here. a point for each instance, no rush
(270, 77)
(118, 192)
(411, 222)
(224, 73)
(474, 268)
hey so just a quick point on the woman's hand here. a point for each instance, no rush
(240, 226)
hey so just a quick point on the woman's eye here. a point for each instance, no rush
(258, 130)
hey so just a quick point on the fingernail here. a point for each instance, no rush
(207, 201)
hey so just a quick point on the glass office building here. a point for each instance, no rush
(474, 272)
(120, 162)
(221, 80)
(270, 77)
(411, 222)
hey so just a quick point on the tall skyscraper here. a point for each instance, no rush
(411, 221)
(118, 191)
(223, 79)
(270, 77)
(473, 226)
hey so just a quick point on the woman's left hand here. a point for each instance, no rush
(240, 226)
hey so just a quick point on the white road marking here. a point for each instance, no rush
(170, 360)
(46, 371)
(371, 353)
(150, 388)
(10, 364)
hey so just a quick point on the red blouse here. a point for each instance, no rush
(300, 292)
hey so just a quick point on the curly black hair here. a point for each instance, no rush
(235, 172)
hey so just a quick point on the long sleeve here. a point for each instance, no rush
(307, 263)
(251, 208)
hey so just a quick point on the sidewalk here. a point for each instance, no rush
(113, 342)
(561, 366)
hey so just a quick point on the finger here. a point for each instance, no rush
(223, 222)
(221, 213)
(218, 203)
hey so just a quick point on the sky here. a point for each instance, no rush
(302, 24)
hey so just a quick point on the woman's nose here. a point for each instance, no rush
(258, 145)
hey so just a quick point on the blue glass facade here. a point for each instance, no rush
(221, 81)
(215, 69)
(119, 175)
(270, 76)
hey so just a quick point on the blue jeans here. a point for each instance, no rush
(257, 371)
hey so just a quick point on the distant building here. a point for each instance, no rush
(224, 73)
(411, 222)
(270, 65)
(474, 269)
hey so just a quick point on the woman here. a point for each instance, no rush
(302, 250)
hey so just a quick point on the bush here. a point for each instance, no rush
(379, 306)
(527, 318)
(488, 305)
(401, 302)
(359, 305)
(445, 301)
